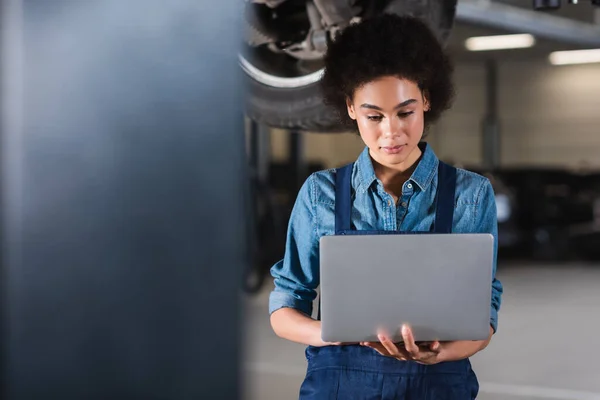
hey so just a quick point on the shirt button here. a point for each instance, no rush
(404, 204)
(409, 186)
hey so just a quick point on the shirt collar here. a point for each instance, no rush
(421, 176)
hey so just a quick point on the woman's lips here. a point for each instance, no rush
(393, 149)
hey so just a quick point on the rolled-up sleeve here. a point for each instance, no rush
(296, 277)
(486, 221)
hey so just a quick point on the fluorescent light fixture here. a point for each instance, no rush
(575, 57)
(500, 42)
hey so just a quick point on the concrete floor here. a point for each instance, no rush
(547, 345)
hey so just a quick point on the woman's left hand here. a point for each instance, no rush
(409, 350)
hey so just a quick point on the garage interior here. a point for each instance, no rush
(142, 206)
(531, 127)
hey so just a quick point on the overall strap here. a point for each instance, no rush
(446, 189)
(343, 205)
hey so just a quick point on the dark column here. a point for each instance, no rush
(297, 159)
(491, 123)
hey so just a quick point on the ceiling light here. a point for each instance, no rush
(575, 57)
(500, 42)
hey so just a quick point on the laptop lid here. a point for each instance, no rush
(439, 284)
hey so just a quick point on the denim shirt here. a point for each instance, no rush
(297, 275)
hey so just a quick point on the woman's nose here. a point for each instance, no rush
(392, 127)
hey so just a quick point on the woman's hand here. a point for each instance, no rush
(423, 353)
(427, 353)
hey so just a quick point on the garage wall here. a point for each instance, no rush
(457, 136)
(332, 150)
(549, 116)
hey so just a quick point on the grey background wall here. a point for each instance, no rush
(550, 116)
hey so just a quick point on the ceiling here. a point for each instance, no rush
(582, 13)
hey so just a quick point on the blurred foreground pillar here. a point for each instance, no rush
(122, 228)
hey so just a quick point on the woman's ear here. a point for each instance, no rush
(351, 112)
(426, 104)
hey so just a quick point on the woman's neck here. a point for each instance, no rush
(393, 176)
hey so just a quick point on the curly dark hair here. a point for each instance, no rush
(387, 45)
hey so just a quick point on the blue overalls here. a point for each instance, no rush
(357, 372)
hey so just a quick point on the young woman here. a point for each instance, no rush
(390, 79)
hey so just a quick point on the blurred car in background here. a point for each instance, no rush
(548, 214)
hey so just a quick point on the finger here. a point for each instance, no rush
(398, 353)
(378, 347)
(389, 345)
(398, 350)
(409, 341)
(404, 355)
(427, 357)
(370, 344)
(435, 346)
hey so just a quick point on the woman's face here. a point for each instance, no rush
(389, 112)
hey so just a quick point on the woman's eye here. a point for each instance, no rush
(405, 114)
(374, 118)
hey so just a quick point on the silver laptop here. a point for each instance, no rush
(439, 284)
